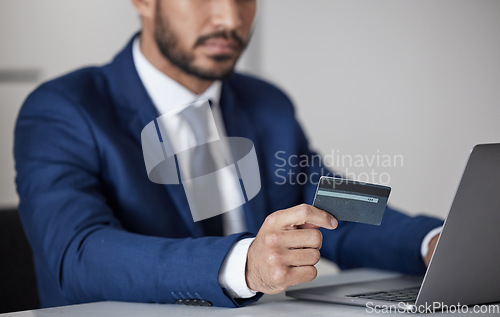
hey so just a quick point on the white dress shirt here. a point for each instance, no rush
(170, 97)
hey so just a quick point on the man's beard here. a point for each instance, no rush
(167, 43)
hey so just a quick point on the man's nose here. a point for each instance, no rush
(226, 14)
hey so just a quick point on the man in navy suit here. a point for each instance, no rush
(101, 230)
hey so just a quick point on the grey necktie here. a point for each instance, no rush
(202, 163)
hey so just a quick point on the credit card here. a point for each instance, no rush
(350, 200)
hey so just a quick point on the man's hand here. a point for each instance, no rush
(287, 248)
(432, 246)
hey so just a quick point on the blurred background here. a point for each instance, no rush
(402, 90)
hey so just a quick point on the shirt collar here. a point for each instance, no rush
(168, 95)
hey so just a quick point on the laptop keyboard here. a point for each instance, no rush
(407, 295)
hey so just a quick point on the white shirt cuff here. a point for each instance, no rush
(427, 239)
(232, 273)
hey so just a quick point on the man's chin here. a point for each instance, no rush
(217, 71)
(213, 75)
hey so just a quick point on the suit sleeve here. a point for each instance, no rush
(74, 232)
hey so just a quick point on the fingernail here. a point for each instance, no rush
(334, 223)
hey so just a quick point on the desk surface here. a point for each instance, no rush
(269, 305)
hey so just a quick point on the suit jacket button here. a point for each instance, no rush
(193, 302)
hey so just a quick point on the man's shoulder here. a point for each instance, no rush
(77, 84)
(85, 87)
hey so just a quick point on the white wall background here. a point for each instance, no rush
(419, 79)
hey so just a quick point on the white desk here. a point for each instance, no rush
(269, 305)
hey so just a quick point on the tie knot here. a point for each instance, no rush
(198, 117)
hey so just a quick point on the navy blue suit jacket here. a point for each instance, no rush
(101, 230)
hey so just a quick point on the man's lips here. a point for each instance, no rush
(220, 46)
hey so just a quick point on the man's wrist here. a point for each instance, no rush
(232, 273)
(424, 248)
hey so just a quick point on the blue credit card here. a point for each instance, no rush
(350, 200)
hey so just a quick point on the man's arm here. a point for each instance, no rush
(74, 232)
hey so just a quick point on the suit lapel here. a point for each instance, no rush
(136, 111)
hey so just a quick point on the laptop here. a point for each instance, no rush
(465, 267)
